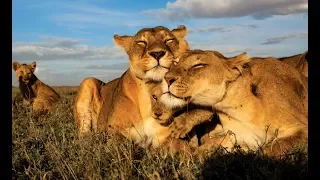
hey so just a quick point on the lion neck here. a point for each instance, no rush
(238, 99)
(29, 90)
(136, 90)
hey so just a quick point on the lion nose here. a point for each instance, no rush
(158, 114)
(157, 54)
(170, 80)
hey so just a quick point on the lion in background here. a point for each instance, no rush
(123, 104)
(34, 92)
(298, 61)
(258, 102)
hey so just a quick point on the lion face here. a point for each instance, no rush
(152, 50)
(24, 72)
(200, 77)
(159, 111)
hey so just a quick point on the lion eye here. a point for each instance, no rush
(142, 43)
(154, 97)
(168, 40)
(197, 66)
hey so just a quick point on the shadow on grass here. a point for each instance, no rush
(242, 165)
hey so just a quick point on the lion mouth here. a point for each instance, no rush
(187, 98)
(159, 67)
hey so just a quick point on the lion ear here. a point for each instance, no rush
(180, 32)
(123, 41)
(236, 64)
(15, 65)
(33, 66)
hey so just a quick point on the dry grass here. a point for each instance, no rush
(49, 148)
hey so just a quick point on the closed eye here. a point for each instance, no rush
(168, 40)
(154, 97)
(143, 43)
(197, 66)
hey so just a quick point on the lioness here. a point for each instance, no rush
(298, 61)
(34, 92)
(124, 104)
(181, 121)
(258, 101)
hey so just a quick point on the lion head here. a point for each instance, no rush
(159, 111)
(190, 81)
(24, 72)
(152, 50)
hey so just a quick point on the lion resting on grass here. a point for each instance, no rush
(124, 103)
(262, 102)
(34, 92)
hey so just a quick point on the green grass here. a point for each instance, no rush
(50, 148)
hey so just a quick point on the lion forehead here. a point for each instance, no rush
(23, 68)
(153, 33)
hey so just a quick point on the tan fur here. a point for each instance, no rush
(260, 102)
(34, 92)
(124, 103)
(298, 61)
(175, 119)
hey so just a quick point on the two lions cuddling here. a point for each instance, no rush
(247, 95)
(123, 105)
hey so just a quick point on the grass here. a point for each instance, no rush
(50, 148)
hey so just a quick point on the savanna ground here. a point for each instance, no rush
(50, 148)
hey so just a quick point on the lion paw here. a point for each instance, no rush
(179, 129)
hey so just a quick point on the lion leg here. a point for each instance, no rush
(283, 145)
(87, 106)
(26, 103)
(39, 107)
(174, 146)
(185, 122)
(218, 138)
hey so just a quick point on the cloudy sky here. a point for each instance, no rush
(72, 40)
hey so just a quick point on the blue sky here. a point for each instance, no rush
(72, 39)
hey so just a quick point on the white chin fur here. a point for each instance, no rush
(156, 74)
(171, 101)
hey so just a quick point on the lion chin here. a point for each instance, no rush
(156, 74)
(171, 101)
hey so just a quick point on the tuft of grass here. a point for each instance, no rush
(49, 148)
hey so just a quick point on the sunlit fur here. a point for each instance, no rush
(248, 96)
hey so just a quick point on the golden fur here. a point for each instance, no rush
(124, 103)
(34, 92)
(261, 102)
(182, 120)
(298, 61)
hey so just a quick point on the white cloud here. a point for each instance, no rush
(54, 48)
(259, 9)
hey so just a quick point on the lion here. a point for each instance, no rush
(298, 61)
(123, 104)
(34, 92)
(258, 102)
(191, 117)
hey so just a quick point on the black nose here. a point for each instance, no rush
(157, 54)
(170, 80)
(157, 114)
